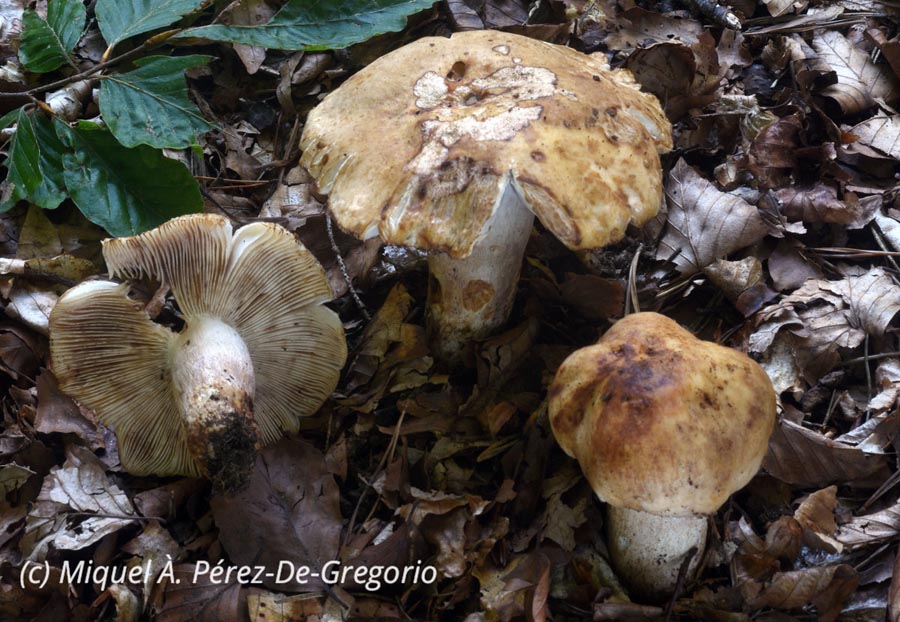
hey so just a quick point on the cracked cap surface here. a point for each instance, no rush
(417, 146)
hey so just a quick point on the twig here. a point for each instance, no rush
(631, 299)
(343, 267)
(146, 45)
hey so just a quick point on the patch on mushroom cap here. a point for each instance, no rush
(378, 143)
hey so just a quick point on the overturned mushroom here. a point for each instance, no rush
(665, 427)
(453, 145)
(258, 349)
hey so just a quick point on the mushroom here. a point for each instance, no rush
(452, 145)
(258, 349)
(665, 427)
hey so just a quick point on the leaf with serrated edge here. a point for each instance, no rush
(861, 82)
(125, 191)
(121, 19)
(150, 105)
(34, 162)
(704, 223)
(301, 24)
(46, 43)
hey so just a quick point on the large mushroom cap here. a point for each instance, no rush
(661, 421)
(417, 146)
(257, 287)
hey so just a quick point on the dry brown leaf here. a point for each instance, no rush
(773, 153)
(69, 493)
(861, 83)
(288, 512)
(778, 8)
(893, 612)
(824, 317)
(187, 598)
(265, 606)
(881, 132)
(638, 27)
(248, 13)
(704, 224)
(820, 203)
(803, 457)
(825, 586)
(816, 516)
(869, 529)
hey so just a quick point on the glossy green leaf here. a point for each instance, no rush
(46, 43)
(121, 19)
(124, 190)
(150, 105)
(302, 24)
(34, 163)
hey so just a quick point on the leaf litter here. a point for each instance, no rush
(779, 237)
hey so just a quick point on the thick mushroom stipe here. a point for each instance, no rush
(665, 424)
(257, 352)
(422, 146)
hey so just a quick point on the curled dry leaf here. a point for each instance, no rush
(806, 458)
(249, 13)
(704, 223)
(820, 203)
(871, 529)
(288, 512)
(881, 132)
(816, 516)
(193, 597)
(826, 316)
(826, 587)
(69, 492)
(773, 153)
(861, 83)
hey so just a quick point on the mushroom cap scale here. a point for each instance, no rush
(661, 421)
(258, 289)
(416, 146)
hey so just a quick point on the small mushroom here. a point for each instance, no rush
(452, 145)
(258, 349)
(665, 427)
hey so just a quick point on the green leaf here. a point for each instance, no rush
(46, 44)
(302, 24)
(125, 191)
(120, 19)
(34, 162)
(150, 105)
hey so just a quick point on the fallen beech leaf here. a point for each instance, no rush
(248, 13)
(861, 82)
(825, 316)
(869, 529)
(67, 490)
(803, 457)
(825, 586)
(773, 153)
(185, 599)
(816, 516)
(881, 132)
(704, 224)
(288, 512)
(12, 476)
(820, 203)
(777, 8)
(893, 612)
(639, 27)
(265, 606)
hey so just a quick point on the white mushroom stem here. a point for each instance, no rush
(214, 384)
(647, 550)
(469, 298)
